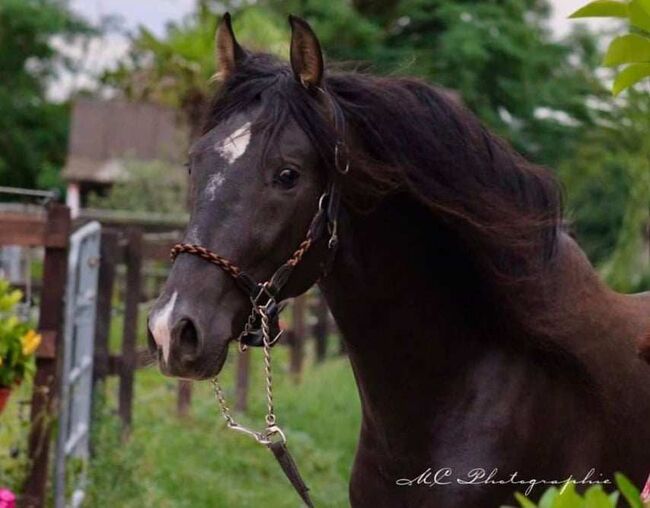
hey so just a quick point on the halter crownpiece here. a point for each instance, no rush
(262, 328)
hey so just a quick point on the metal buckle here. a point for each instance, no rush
(338, 148)
(271, 431)
(334, 238)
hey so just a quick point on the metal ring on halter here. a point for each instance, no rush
(338, 147)
(321, 201)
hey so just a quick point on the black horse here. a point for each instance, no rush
(480, 336)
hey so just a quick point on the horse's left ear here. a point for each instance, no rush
(229, 52)
(306, 55)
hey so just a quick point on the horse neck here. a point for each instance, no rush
(415, 313)
(404, 306)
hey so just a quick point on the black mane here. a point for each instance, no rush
(407, 136)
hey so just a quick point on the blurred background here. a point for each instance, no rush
(99, 100)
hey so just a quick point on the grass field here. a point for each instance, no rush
(197, 462)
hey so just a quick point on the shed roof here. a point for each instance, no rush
(103, 133)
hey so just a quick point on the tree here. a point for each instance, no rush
(631, 50)
(153, 186)
(34, 131)
(176, 70)
(498, 55)
(623, 138)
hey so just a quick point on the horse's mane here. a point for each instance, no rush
(411, 138)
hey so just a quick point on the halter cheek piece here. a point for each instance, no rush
(262, 327)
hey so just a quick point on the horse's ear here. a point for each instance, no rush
(229, 52)
(306, 55)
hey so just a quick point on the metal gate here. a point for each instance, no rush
(72, 451)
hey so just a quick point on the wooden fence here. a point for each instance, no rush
(50, 230)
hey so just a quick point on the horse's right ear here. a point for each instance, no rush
(229, 52)
(306, 55)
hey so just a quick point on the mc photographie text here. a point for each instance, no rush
(479, 476)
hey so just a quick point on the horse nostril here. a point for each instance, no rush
(187, 340)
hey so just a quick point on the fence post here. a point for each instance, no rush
(321, 328)
(297, 344)
(108, 261)
(184, 398)
(44, 398)
(130, 331)
(241, 388)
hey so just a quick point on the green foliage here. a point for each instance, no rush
(632, 49)
(14, 433)
(597, 185)
(629, 76)
(628, 49)
(17, 340)
(177, 69)
(34, 132)
(594, 497)
(608, 186)
(153, 186)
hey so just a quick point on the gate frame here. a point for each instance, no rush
(71, 371)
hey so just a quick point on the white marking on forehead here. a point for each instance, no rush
(161, 326)
(234, 145)
(214, 183)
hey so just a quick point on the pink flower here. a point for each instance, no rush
(7, 499)
(645, 495)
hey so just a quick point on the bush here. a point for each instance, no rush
(153, 186)
(594, 497)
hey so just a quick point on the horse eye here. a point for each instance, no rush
(287, 178)
(188, 166)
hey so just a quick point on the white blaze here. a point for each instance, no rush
(161, 326)
(234, 146)
(214, 183)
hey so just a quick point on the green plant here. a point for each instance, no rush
(632, 49)
(14, 439)
(594, 497)
(17, 340)
(146, 186)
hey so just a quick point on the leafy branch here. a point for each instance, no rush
(631, 50)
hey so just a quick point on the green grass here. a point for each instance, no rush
(14, 430)
(197, 462)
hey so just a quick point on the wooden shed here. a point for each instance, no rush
(103, 134)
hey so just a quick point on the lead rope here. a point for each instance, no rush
(272, 436)
(271, 427)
